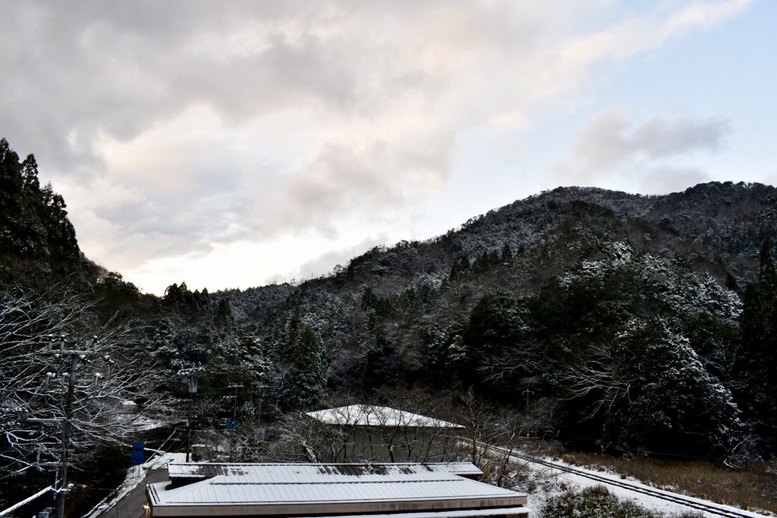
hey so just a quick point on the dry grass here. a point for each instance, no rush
(754, 488)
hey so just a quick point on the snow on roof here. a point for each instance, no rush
(371, 415)
(323, 489)
(296, 473)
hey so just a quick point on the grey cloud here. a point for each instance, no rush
(326, 263)
(339, 179)
(114, 68)
(375, 182)
(654, 156)
(662, 137)
(384, 88)
(199, 224)
(611, 139)
(662, 180)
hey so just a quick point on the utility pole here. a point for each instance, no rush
(259, 386)
(527, 392)
(191, 383)
(74, 355)
(233, 397)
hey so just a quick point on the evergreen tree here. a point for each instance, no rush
(33, 220)
(507, 253)
(223, 317)
(11, 199)
(382, 366)
(758, 353)
(306, 378)
(649, 392)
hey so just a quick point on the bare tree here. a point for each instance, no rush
(424, 438)
(301, 438)
(66, 379)
(495, 435)
(363, 432)
(606, 376)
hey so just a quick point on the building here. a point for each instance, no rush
(329, 490)
(379, 433)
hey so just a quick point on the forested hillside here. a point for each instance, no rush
(618, 314)
(604, 320)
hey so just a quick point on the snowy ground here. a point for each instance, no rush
(550, 482)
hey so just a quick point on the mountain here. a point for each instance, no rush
(560, 281)
(715, 228)
(627, 323)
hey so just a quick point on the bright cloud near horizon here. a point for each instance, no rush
(234, 144)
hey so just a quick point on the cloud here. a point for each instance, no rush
(664, 179)
(635, 34)
(612, 143)
(326, 263)
(183, 126)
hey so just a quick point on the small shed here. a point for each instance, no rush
(380, 433)
(402, 490)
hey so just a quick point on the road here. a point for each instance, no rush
(131, 497)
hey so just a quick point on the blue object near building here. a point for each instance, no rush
(138, 452)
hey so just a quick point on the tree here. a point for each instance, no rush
(381, 367)
(648, 391)
(399, 432)
(64, 377)
(497, 326)
(11, 197)
(306, 377)
(33, 221)
(758, 352)
(495, 433)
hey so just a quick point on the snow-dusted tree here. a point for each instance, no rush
(758, 353)
(66, 380)
(501, 352)
(649, 391)
(306, 377)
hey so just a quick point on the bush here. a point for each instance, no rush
(592, 502)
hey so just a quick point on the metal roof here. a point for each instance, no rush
(322, 489)
(296, 473)
(372, 415)
(497, 512)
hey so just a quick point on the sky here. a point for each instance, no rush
(234, 144)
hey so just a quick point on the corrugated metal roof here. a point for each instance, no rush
(465, 469)
(220, 490)
(312, 473)
(278, 489)
(382, 416)
(462, 513)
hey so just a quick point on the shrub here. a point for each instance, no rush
(592, 502)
